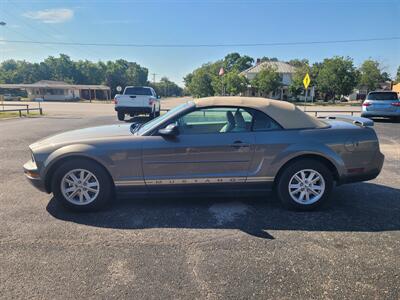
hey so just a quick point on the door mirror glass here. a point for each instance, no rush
(171, 130)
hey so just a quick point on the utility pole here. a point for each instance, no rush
(154, 77)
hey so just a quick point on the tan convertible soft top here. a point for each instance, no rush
(285, 113)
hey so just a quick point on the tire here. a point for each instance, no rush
(157, 114)
(153, 114)
(97, 191)
(121, 116)
(299, 191)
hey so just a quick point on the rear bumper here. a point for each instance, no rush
(376, 113)
(133, 110)
(33, 176)
(371, 173)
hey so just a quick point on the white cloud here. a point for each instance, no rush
(56, 15)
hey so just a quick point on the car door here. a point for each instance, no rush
(211, 147)
(271, 140)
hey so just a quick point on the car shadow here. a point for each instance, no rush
(138, 119)
(362, 207)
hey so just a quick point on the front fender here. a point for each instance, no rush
(82, 150)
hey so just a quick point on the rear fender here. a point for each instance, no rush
(317, 149)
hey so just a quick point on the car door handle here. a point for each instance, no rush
(239, 144)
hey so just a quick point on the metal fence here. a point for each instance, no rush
(20, 110)
(333, 112)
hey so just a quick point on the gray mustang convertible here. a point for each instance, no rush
(210, 145)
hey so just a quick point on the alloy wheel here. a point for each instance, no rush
(80, 187)
(306, 186)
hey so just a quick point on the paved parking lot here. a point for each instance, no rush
(231, 247)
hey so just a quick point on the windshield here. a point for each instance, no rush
(382, 96)
(176, 110)
(142, 91)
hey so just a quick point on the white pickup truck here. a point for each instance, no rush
(137, 100)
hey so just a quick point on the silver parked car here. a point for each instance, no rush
(217, 144)
(381, 104)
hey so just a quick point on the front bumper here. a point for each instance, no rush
(33, 176)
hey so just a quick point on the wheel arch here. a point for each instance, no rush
(329, 164)
(53, 167)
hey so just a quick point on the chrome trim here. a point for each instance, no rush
(129, 183)
(260, 179)
(180, 181)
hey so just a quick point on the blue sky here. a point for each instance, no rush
(201, 22)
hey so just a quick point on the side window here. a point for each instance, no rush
(262, 122)
(215, 120)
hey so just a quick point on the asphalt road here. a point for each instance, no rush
(232, 247)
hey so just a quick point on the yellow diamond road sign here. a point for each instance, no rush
(306, 81)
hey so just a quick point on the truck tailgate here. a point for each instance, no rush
(133, 100)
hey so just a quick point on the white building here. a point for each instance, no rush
(284, 70)
(61, 91)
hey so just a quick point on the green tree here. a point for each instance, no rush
(298, 63)
(297, 87)
(232, 83)
(398, 75)
(385, 76)
(266, 58)
(200, 84)
(234, 61)
(370, 75)
(336, 76)
(60, 68)
(267, 80)
(166, 88)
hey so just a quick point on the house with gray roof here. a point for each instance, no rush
(284, 70)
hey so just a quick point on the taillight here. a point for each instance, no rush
(366, 104)
(396, 103)
(115, 101)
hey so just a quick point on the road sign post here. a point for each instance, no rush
(306, 83)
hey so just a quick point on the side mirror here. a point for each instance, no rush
(170, 131)
(158, 97)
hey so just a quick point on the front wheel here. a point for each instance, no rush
(121, 116)
(305, 185)
(82, 185)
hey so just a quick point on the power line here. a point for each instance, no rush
(205, 45)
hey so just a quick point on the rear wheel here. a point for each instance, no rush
(305, 185)
(153, 113)
(82, 185)
(121, 116)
